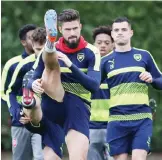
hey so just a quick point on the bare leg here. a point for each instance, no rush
(139, 154)
(49, 154)
(123, 156)
(51, 79)
(77, 144)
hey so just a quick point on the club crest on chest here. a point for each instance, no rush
(137, 57)
(112, 63)
(80, 57)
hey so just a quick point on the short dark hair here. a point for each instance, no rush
(24, 29)
(100, 30)
(68, 15)
(122, 19)
(39, 35)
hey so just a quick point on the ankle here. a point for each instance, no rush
(49, 47)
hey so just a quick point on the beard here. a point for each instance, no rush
(74, 44)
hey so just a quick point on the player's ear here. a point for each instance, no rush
(132, 32)
(23, 42)
(80, 26)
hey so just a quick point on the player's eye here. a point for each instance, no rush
(124, 29)
(75, 28)
(99, 42)
(116, 30)
(67, 29)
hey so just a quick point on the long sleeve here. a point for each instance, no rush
(5, 81)
(14, 108)
(7, 74)
(155, 72)
(103, 72)
(13, 94)
(91, 80)
(157, 83)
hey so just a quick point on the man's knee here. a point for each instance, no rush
(139, 154)
(49, 154)
(79, 137)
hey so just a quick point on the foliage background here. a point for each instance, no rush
(146, 22)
